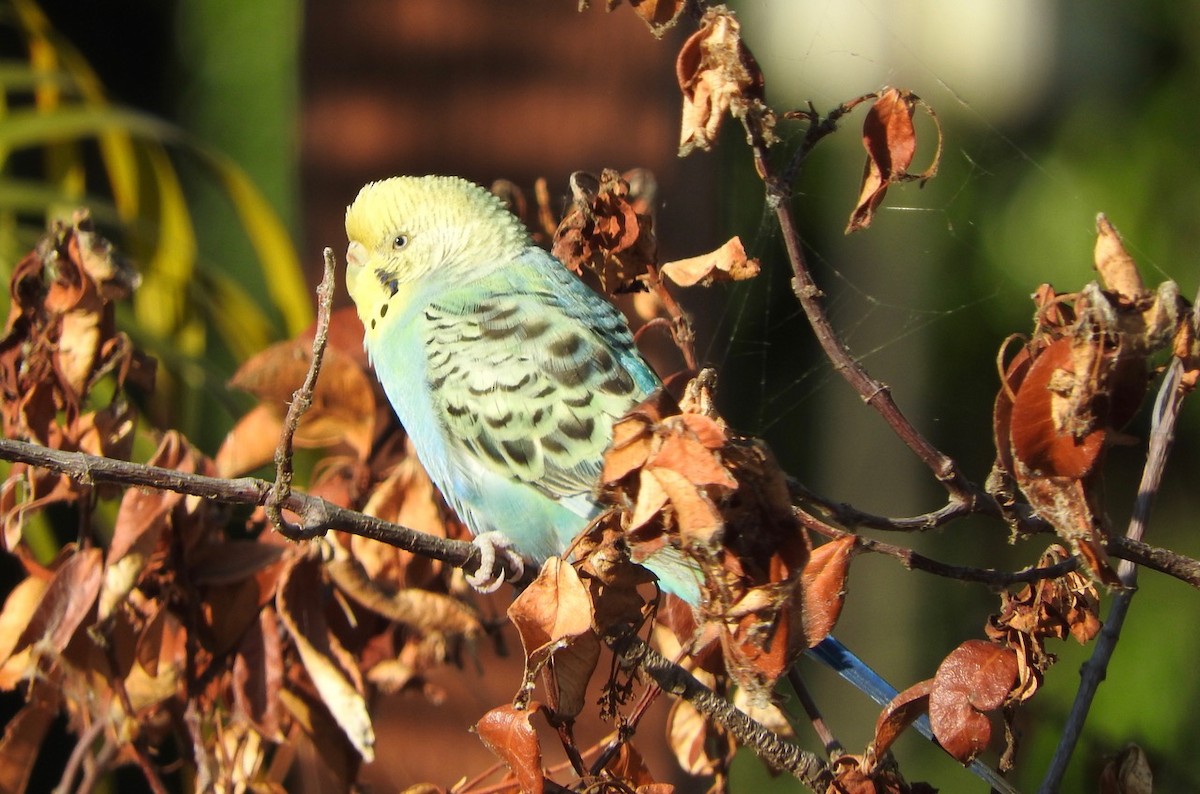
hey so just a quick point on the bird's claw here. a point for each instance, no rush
(495, 549)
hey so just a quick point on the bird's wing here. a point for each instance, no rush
(528, 370)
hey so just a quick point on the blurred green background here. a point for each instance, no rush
(1052, 111)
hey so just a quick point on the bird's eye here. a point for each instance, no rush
(399, 241)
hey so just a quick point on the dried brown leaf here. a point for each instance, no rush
(606, 236)
(699, 746)
(509, 734)
(1128, 773)
(824, 578)
(67, 601)
(1118, 271)
(659, 15)
(727, 263)
(890, 140)
(717, 74)
(554, 618)
(258, 675)
(975, 677)
(23, 736)
(343, 402)
(322, 655)
(899, 713)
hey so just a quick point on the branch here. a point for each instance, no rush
(318, 516)
(805, 766)
(1184, 568)
(873, 392)
(919, 562)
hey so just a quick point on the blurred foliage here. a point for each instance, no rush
(203, 304)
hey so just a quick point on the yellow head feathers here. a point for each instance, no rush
(406, 229)
(440, 220)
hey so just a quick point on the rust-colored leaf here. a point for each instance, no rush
(67, 601)
(890, 141)
(900, 712)
(975, 677)
(555, 607)
(718, 75)
(606, 236)
(1041, 434)
(727, 263)
(508, 732)
(659, 15)
(299, 606)
(691, 459)
(343, 402)
(23, 737)
(258, 674)
(700, 747)
(19, 608)
(1116, 267)
(824, 578)
(696, 517)
(553, 617)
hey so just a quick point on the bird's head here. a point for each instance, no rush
(406, 229)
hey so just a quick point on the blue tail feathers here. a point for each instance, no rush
(842, 661)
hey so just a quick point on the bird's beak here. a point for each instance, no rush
(356, 254)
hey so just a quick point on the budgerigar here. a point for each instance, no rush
(506, 371)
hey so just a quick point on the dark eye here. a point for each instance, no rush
(399, 241)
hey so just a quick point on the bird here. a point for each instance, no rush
(507, 372)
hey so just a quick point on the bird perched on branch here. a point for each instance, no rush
(506, 371)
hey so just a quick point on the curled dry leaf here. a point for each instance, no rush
(67, 601)
(607, 236)
(701, 747)
(1128, 773)
(343, 406)
(508, 732)
(299, 607)
(659, 15)
(718, 75)
(891, 142)
(976, 677)
(23, 737)
(423, 610)
(854, 774)
(824, 578)
(554, 618)
(696, 490)
(900, 712)
(1065, 606)
(19, 608)
(727, 263)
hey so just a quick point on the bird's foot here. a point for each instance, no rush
(495, 548)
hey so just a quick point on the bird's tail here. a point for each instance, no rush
(842, 661)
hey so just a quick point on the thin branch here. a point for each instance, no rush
(805, 766)
(1162, 435)
(301, 402)
(919, 562)
(318, 515)
(874, 393)
(1184, 568)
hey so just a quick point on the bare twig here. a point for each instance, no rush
(301, 401)
(805, 766)
(919, 562)
(873, 392)
(1162, 435)
(1156, 558)
(318, 515)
